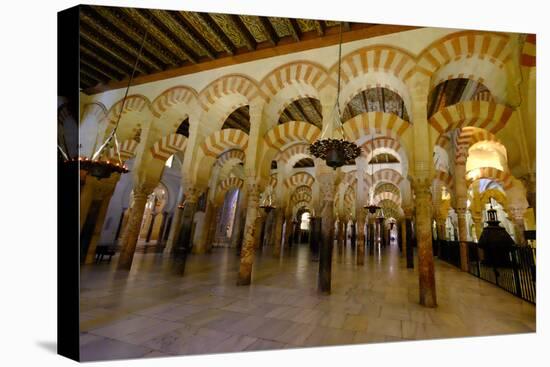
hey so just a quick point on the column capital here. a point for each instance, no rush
(144, 188)
(192, 194)
(422, 184)
(517, 213)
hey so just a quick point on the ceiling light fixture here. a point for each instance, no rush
(335, 151)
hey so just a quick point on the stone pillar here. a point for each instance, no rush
(361, 215)
(326, 181)
(341, 235)
(240, 217)
(530, 182)
(174, 228)
(462, 236)
(287, 231)
(86, 198)
(315, 237)
(184, 242)
(478, 223)
(90, 255)
(519, 225)
(423, 203)
(248, 250)
(353, 235)
(404, 238)
(277, 231)
(131, 234)
(260, 228)
(203, 241)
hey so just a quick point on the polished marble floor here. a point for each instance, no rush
(154, 310)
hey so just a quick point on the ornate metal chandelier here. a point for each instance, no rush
(267, 203)
(372, 207)
(336, 152)
(99, 166)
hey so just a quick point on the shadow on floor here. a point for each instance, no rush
(50, 346)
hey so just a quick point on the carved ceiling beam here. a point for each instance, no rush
(320, 27)
(117, 19)
(290, 113)
(174, 22)
(84, 71)
(158, 34)
(268, 30)
(87, 52)
(346, 26)
(294, 29)
(238, 24)
(213, 28)
(100, 71)
(241, 115)
(86, 81)
(436, 100)
(115, 53)
(109, 33)
(381, 92)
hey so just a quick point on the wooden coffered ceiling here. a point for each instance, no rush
(183, 42)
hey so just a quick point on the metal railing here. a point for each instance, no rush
(512, 268)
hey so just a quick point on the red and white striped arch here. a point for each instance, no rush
(384, 175)
(291, 132)
(367, 123)
(481, 114)
(386, 195)
(298, 73)
(223, 140)
(168, 145)
(133, 103)
(229, 85)
(299, 179)
(230, 183)
(469, 136)
(231, 155)
(127, 150)
(172, 97)
(504, 178)
(299, 150)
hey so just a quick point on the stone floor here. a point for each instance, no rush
(155, 311)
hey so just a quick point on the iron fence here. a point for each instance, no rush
(512, 268)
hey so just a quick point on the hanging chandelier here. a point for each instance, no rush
(372, 207)
(335, 152)
(100, 166)
(267, 203)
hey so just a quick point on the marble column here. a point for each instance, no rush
(315, 237)
(277, 231)
(404, 238)
(131, 234)
(174, 228)
(530, 182)
(519, 225)
(341, 235)
(326, 180)
(478, 223)
(424, 242)
(462, 236)
(86, 198)
(90, 254)
(260, 228)
(216, 217)
(287, 231)
(184, 242)
(361, 215)
(248, 250)
(202, 243)
(353, 235)
(238, 226)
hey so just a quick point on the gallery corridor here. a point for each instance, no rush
(154, 310)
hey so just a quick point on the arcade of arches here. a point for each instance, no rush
(446, 123)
